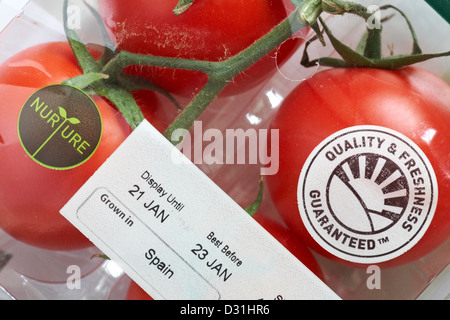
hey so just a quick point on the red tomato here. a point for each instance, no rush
(135, 292)
(410, 101)
(211, 30)
(32, 195)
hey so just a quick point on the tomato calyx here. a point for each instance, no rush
(96, 79)
(368, 53)
(182, 6)
(252, 209)
(85, 80)
(106, 75)
(219, 73)
(101, 256)
(308, 11)
(116, 86)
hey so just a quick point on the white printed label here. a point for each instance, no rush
(367, 194)
(177, 234)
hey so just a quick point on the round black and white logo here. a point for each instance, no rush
(367, 194)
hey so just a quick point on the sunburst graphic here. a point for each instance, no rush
(367, 193)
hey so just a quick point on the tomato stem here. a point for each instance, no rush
(125, 58)
(120, 97)
(85, 80)
(85, 59)
(370, 56)
(182, 6)
(416, 48)
(372, 48)
(253, 208)
(308, 11)
(101, 256)
(117, 87)
(221, 73)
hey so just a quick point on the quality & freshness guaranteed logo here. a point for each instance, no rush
(60, 127)
(367, 194)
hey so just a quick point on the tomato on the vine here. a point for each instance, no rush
(313, 123)
(210, 30)
(32, 195)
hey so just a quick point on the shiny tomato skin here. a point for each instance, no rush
(31, 195)
(135, 292)
(411, 101)
(211, 30)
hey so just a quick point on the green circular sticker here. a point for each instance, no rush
(60, 127)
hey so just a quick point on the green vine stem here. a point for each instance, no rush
(182, 6)
(85, 59)
(222, 72)
(373, 44)
(111, 79)
(106, 78)
(373, 47)
(370, 56)
(416, 48)
(252, 209)
(120, 97)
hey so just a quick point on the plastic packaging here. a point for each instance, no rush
(29, 272)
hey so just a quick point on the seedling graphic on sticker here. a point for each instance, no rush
(367, 193)
(59, 127)
(63, 114)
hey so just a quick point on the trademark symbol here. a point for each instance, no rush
(383, 240)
